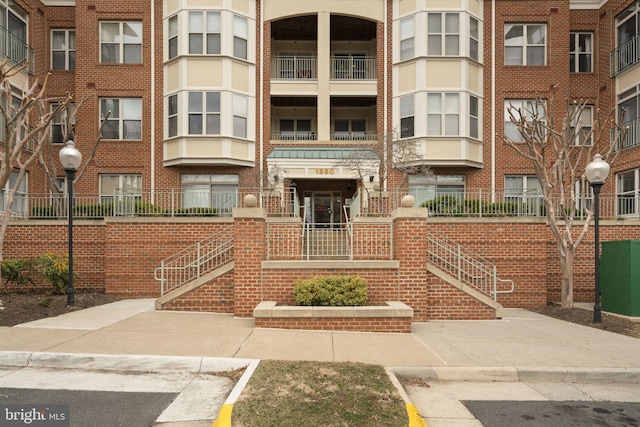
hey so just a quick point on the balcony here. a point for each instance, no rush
(631, 139)
(625, 56)
(353, 68)
(294, 68)
(354, 136)
(16, 51)
(294, 136)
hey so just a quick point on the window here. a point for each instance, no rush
(125, 120)
(12, 110)
(219, 192)
(63, 50)
(525, 44)
(204, 113)
(13, 21)
(427, 188)
(628, 192)
(120, 187)
(439, 41)
(474, 38)
(204, 32)
(443, 114)
(407, 33)
(581, 125)
(581, 53)
(406, 116)
(474, 117)
(121, 42)
(172, 111)
(59, 122)
(627, 53)
(240, 116)
(173, 37)
(521, 107)
(526, 192)
(240, 36)
(296, 129)
(350, 129)
(628, 115)
(19, 205)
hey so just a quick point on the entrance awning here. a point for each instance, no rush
(323, 162)
(335, 153)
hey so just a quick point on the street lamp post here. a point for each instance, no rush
(597, 172)
(70, 158)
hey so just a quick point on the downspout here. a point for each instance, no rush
(261, 91)
(385, 157)
(493, 101)
(153, 102)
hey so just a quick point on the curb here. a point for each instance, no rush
(121, 362)
(224, 416)
(415, 420)
(524, 374)
(140, 363)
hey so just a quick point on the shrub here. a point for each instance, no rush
(333, 291)
(55, 271)
(17, 272)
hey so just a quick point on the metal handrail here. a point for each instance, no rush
(195, 261)
(16, 50)
(624, 56)
(466, 266)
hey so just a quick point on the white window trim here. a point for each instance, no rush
(405, 114)
(444, 112)
(121, 42)
(578, 124)
(241, 32)
(122, 119)
(525, 45)
(519, 104)
(67, 49)
(407, 38)
(444, 34)
(575, 36)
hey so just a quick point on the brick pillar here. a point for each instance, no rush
(410, 249)
(249, 250)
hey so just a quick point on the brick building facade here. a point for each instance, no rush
(290, 94)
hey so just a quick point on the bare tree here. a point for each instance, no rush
(68, 124)
(404, 157)
(559, 153)
(25, 121)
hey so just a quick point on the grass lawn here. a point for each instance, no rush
(283, 394)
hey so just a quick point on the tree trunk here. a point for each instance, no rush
(566, 266)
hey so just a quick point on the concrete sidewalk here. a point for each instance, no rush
(523, 345)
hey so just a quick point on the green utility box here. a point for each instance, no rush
(620, 277)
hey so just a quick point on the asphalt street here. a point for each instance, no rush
(96, 408)
(556, 414)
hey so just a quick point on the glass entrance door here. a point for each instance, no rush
(324, 207)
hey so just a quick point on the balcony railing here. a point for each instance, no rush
(285, 203)
(157, 203)
(294, 136)
(625, 56)
(354, 136)
(293, 68)
(631, 138)
(353, 68)
(16, 50)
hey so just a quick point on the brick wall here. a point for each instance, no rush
(119, 256)
(378, 324)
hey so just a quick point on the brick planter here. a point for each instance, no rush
(392, 317)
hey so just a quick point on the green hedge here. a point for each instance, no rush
(451, 205)
(335, 291)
